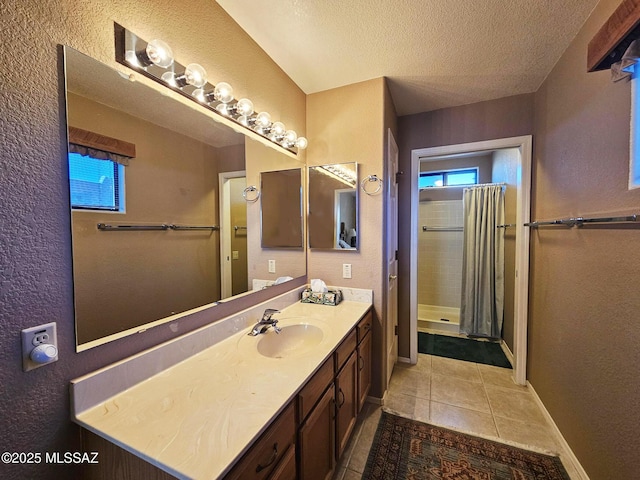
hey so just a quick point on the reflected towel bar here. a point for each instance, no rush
(236, 228)
(164, 226)
(441, 229)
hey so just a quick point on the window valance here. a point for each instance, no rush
(100, 146)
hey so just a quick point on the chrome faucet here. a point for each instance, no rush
(265, 322)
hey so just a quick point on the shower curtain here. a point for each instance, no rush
(482, 305)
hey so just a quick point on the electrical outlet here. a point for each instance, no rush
(272, 266)
(39, 346)
(346, 270)
(235, 254)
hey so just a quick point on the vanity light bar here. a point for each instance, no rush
(155, 60)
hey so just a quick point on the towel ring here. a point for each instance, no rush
(251, 189)
(367, 180)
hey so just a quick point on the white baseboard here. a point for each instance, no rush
(404, 360)
(570, 456)
(507, 351)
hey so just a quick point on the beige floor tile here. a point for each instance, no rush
(360, 452)
(527, 433)
(458, 392)
(352, 475)
(402, 404)
(411, 382)
(498, 376)
(463, 419)
(422, 410)
(456, 368)
(424, 362)
(516, 405)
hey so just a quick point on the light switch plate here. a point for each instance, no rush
(346, 270)
(272, 266)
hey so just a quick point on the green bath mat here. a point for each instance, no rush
(465, 349)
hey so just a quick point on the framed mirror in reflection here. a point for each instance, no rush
(333, 207)
(281, 208)
(159, 224)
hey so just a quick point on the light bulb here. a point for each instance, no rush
(169, 78)
(278, 129)
(195, 75)
(263, 120)
(223, 109)
(247, 120)
(132, 58)
(199, 95)
(302, 143)
(159, 53)
(244, 107)
(290, 137)
(223, 92)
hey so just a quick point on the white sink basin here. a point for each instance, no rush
(292, 340)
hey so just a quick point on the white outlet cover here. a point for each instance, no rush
(32, 338)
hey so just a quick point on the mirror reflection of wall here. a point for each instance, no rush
(128, 278)
(281, 208)
(333, 206)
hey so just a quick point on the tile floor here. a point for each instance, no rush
(470, 397)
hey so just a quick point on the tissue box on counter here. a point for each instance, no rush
(332, 297)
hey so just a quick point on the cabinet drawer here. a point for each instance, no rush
(364, 325)
(312, 391)
(268, 451)
(345, 349)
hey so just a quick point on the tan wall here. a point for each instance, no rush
(347, 125)
(584, 299)
(36, 234)
(126, 279)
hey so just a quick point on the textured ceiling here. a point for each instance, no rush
(436, 54)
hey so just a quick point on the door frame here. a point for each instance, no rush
(523, 206)
(226, 285)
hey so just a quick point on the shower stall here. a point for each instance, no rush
(440, 242)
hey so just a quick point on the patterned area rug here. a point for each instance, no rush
(411, 450)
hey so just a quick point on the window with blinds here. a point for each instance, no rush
(95, 184)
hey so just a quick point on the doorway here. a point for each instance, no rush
(233, 233)
(513, 164)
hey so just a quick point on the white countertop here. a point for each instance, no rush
(196, 418)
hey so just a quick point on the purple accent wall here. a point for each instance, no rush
(501, 118)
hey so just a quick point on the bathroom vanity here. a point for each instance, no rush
(267, 406)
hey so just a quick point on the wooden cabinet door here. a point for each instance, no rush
(364, 370)
(346, 402)
(316, 440)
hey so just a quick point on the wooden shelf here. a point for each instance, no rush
(611, 41)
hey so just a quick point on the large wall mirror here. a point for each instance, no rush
(333, 207)
(159, 222)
